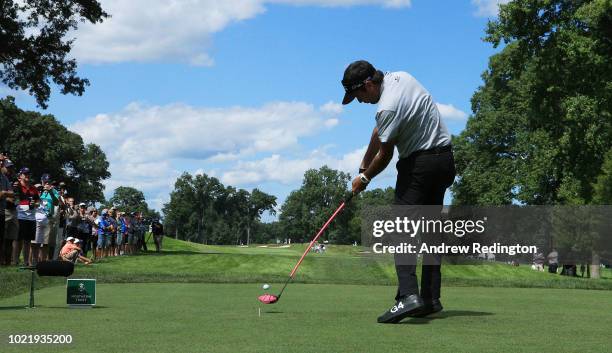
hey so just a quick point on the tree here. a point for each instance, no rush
(309, 207)
(542, 119)
(42, 144)
(203, 210)
(602, 188)
(365, 199)
(128, 199)
(35, 48)
(89, 171)
(258, 202)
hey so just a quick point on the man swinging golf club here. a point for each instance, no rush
(406, 118)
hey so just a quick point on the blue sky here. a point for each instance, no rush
(248, 90)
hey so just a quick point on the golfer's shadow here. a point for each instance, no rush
(443, 315)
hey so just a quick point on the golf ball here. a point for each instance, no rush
(266, 286)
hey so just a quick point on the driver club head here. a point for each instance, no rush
(268, 299)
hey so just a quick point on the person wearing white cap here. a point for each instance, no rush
(72, 252)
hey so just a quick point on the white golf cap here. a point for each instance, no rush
(76, 241)
(69, 239)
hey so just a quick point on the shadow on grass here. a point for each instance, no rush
(443, 315)
(179, 252)
(15, 307)
(74, 307)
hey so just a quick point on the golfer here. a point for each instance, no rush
(406, 118)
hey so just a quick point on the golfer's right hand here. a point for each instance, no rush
(358, 185)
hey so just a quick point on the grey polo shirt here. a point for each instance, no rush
(408, 116)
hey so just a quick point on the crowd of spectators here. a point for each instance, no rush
(42, 221)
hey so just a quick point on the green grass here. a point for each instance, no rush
(310, 318)
(197, 263)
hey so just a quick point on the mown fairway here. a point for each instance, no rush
(311, 318)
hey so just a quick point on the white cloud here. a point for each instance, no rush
(142, 133)
(290, 171)
(346, 3)
(157, 30)
(449, 112)
(487, 8)
(332, 108)
(143, 143)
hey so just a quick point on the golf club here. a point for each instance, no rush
(271, 299)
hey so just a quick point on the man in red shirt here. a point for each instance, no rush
(28, 198)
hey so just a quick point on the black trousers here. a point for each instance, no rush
(422, 179)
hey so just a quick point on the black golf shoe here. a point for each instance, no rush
(404, 307)
(431, 306)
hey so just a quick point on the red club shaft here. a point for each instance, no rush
(316, 238)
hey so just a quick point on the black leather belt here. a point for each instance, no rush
(435, 150)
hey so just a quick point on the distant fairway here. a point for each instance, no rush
(196, 263)
(311, 318)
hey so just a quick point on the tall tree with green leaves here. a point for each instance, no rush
(36, 43)
(42, 144)
(307, 209)
(258, 202)
(203, 210)
(542, 120)
(128, 199)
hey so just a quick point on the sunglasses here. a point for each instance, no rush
(356, 86)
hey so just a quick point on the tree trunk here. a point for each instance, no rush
(248, 234)
(595, 265)
(203, 235)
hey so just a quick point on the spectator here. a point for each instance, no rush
(6, 191)
(140, 229)
(83, 228)
(61, 233)
(130, 246)
(42, 223)
(121, 230)
(538, 261)
(553, 261)
(104, 231)
(112, 236)
(28, 197)
(71, 215)
(11, 225)
(158, 234)
(92, 217)
(50, 201)
(72, 252)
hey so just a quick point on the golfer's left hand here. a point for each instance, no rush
(358, 186)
